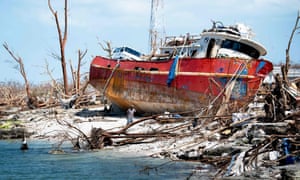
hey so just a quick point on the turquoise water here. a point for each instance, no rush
(37, 163)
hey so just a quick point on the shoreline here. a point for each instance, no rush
(206, 143)
(42, 124)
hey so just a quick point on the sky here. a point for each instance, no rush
(29, 28)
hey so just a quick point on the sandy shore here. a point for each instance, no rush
(44, 124)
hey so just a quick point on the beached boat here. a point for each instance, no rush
(191, 72)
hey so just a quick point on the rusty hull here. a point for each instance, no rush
(154, 98)
(199, 83)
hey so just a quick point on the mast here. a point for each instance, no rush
(156, 30)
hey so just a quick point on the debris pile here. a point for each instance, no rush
(245, 143)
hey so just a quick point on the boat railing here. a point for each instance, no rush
(180, 40)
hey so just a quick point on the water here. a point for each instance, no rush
(38, 163)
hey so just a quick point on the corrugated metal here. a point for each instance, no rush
(292, 73)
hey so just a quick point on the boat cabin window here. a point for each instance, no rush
(153, 69)
(209, 51)
(117, 50)
(139, 68)
(128, 50)
(240, 47)
(131, 51)
(193, 52)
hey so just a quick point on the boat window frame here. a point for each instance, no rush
(127, 50)
(117, 50)
(240, 47)
(132, 51)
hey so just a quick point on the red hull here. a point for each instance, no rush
(197, 84)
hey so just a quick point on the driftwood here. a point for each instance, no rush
(103, 135)
(66, 123)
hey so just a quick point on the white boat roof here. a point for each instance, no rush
(225, 35)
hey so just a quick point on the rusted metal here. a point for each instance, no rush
(196, 85)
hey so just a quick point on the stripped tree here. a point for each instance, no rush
(62, 41)
(285, 68)
(31, 101)
(107, 48)
(76, 73)
(76, 77)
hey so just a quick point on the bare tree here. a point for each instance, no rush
(107, 48)
(285, 69)
(76, 73)
(73, 73)
(80, 57)
(62, 41)
(30, 99)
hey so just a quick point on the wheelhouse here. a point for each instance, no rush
(218, 42)
(128, 53)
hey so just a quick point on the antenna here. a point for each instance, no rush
(157, 29)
